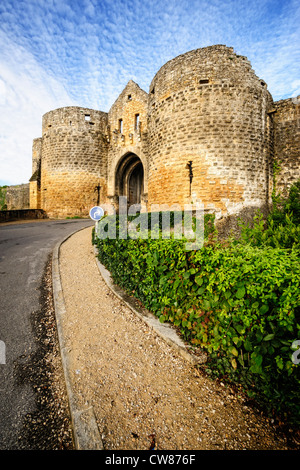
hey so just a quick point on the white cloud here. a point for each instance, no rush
(83, 52)
(26, 93)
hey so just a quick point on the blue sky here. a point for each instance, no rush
(56, 53)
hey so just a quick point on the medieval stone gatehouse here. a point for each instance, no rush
(207, 131)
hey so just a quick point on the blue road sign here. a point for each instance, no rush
(96, 213)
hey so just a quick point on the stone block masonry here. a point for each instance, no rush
(73, 162)
(287, 142)
(208, 107)
(128, 142)
(208, 131)
(17, 197)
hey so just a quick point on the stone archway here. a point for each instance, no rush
(129, 180)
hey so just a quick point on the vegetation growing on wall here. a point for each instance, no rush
(3, 205)
(237, 300)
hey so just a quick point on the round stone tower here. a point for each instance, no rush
(74, 161)
(209, 132)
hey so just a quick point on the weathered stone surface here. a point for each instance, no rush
(211, 109)
(287, 141)
(74, 161)
(17, 197)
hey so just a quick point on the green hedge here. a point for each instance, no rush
(239, 303)
(3, 205)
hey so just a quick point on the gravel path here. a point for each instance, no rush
(142, 392)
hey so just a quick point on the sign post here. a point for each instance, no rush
(96, 214)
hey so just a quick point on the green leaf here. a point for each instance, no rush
(256, 369)
(226, 306)
(269, 337)
(257, 358)
(233, 351)
(206, 304)
(279, 362)
(200, 290)
(240, 292)
(215, 330)
(240, 329)
(199, 280)
(264, 309)
(259, 336)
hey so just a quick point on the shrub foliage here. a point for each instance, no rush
(237, 300)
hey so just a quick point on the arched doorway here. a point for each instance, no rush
(130, 179)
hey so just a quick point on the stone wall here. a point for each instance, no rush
(127, 120)
(35, 180)
(74, 161)
(36, 154)
(207, 131)
(209, 108)
(22, 214)
(17, 197)
(287, 142)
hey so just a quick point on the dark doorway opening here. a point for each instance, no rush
(130, 179)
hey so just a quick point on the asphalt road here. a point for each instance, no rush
(24, 252)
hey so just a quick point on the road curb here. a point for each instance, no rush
(86, 434)
(165, 330)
